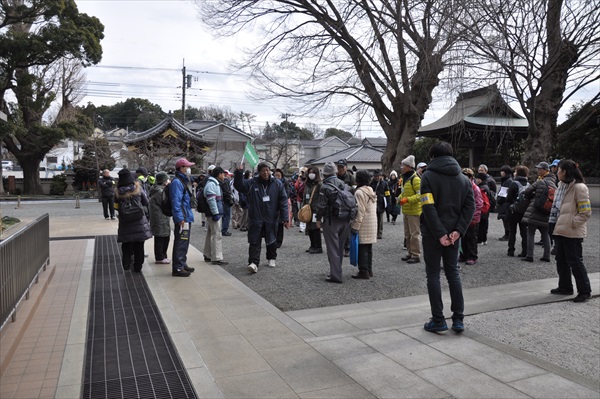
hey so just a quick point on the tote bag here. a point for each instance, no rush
(354, 249)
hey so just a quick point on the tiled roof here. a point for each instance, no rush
(168, 122)
(354, 154)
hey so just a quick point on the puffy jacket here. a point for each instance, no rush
(478, 204)
(160, 224)
(501, 202)
(214, 196)
(381, 189)
(107, 185)
(180, 199)
(446, 197)
(139, 230)
(532, 215)
(366, 215)
(575, 210)
(411, 189)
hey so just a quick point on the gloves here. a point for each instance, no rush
(403, 201)
(216, 218)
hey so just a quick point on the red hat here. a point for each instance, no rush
(183, 163)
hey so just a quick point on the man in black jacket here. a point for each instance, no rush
(448, 207)
(107, 192)
(382, 191)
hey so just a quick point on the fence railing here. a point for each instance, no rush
(22, 257)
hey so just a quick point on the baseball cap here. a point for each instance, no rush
(142, 171)
(183, 163)
(421, 165)
(342, 162)
(542, 165)
(555, 162)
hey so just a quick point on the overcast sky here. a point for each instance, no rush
(144, 49)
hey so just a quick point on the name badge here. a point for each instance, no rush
(266, 198)
(307, 196)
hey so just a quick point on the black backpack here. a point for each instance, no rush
(165, 203)
(130, 209)
(201, 202)
(344, 206)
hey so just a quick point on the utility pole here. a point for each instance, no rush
(183, 85)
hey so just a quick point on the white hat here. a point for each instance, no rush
(394, 173)
(409, 161)
(421, 165)
(211, 167)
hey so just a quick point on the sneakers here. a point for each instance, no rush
(435, 326)
(271, 263)
(219, 262)
(317, 251)
(471, 261)
(226, 234)
(405, 258)
(252, 268)
(189, 269)
(458, 326)
(164, 261)
(112, 218)
(582, 297)
(503, 238)
(180, 273)
(545, 259)
(413, 260)
(527, 259)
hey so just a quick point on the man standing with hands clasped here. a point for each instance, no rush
(448, 206)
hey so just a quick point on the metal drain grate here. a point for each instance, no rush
(129, 352)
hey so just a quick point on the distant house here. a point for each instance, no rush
(375, 142)
(316, 149)
(280, 153)
(358, 157)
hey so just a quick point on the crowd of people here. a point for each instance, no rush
(445, 212)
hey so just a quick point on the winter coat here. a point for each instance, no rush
(107, 185)
(214, 196)
(348, 179)
(395, 191)
(226, 192)
(447, 200)
(501, 202)
(532, 215)
(411, 189)
(138, 231)
(327, 197)
(381, 189)
(308, 189)
(513, 189)
(180, 199)
(491, 182)
(160, 224)
(484, 187)
(299, 188)
(261, 213)
(575, 210)
(478, 204)
(366, 216)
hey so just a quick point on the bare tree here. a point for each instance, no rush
(351, 56)
(547, 50)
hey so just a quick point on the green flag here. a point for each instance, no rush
(251, 155)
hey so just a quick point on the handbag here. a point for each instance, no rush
(354, 249)
(305, 213)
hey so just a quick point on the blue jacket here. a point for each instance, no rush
(180, 200)
(260, 212)
(214, 196)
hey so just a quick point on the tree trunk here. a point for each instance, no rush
(31, 177)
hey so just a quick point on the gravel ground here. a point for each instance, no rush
(562, 333)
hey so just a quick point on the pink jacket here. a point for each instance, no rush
(478, 204)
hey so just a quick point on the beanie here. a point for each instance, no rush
(329, 169)
(161, 177)
(409, 161)
(125, 177)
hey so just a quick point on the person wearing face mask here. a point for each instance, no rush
(299, 189)
(311, 190)
(183, 216)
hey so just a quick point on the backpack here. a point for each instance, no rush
(543, 202)
(344, 206)
(521, 203)
(201, 201)
(130, 209)
(485, 209)
(165, 202)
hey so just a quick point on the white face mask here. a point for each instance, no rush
(312, 176)
(188, 171)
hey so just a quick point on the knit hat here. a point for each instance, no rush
(409, 161)
(126, 178)
(393, 173)
(329, 169)
(506, 169)
(142, 171)
(161, 177)
(481, 176)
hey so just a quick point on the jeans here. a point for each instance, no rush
(180, 249)
(160, 247)
(569, 258)
(226, 218)
(433, 252)
(108, 205)
(531, 240)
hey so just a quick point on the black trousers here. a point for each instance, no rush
(469, 242)
(280, 228)
(514, 222)
(160, 247)
(315, 238)
(108, 206)
(133, 253)
(365, 258)
(255, 249)
(569, 259)
(484, 224)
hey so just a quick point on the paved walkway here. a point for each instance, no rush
(235, 344)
